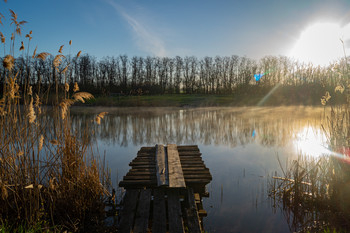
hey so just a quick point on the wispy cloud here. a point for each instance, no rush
(146, 40)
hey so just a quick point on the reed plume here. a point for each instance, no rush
(1, 16)
(60, 50)
(8, 62)
(31, 114)
(2, 38)
(99, 117)
(22, 46)
(41, 142)
(66, 87)
(65, 104)
(76, 87)
(30, 91)
(80, 96)
(42, 55)
(57, 60)
(37, 103)
(34, 53)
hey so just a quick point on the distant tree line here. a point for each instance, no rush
(136, 75)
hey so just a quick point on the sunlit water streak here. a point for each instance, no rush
(313, 142)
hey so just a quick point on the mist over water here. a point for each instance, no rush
(240, 146)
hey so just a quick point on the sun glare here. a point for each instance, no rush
(312, 142)
(320, 44)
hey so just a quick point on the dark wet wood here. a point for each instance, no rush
(142, 214)
(159, 211)
(164, 212)
(174, 212)
(192, 213)
(161, 166)
(128, 212)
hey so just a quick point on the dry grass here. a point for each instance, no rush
(48, 174)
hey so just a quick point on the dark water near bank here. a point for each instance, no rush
(240, 146)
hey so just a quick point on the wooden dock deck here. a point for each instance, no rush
(164, 190)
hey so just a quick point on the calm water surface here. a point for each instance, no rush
(240, 146)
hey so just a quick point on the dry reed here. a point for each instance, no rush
(48, 175)
(315, 192)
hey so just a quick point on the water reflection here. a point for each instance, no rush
(209, 126)
(240, 146)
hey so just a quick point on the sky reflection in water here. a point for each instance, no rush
(239, 145)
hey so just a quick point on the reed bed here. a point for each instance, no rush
(49, 178)
(314, 192)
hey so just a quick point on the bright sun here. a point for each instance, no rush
(320, 43)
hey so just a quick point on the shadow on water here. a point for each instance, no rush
(240, 146)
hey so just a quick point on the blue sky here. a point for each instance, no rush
(252, 28)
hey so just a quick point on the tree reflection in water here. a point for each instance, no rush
(208, 126)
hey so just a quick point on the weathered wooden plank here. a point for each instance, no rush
(159, 212)
(202, 213)
(187, 147)
(146, 155)
(197, 181)
(152, 170)
(147, 148)
(184, 169)
(137, 163)
(142, 177)
(146, 151)
(174, 212)
(143, 181)
(143, 159)
(161, 166)
(176, 177)
(138, 183)
(143, 166)
(200, 165)
(194, 168)
(192, 214)
(151, 177)
(186, 173)
(192, 162)
(197, 197)
(142, 214)
(189, 153)
(191, 158)
(128, 211)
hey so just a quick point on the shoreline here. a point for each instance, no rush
(194, 101)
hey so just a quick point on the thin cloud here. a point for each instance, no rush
(146, 40)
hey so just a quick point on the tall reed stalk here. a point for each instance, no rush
(48, 174)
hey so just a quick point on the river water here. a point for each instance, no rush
(243, 147)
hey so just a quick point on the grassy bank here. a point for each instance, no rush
(250, 96)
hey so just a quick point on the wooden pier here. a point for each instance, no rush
(164, 190)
